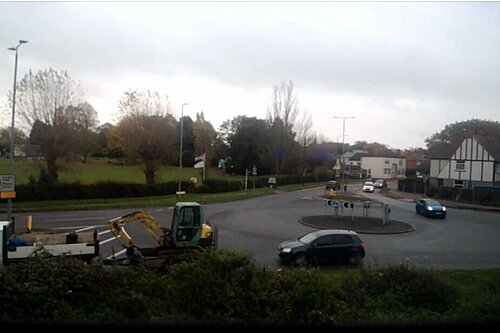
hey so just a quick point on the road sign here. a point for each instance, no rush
(347, 204)
(254, 171)
(8, 195)
(7, 183)
(332, 203)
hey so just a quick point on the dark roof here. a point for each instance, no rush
(446, 150)
(491, 145)
(357, 156)
(442, 150)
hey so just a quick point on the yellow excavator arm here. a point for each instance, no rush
(153, 228)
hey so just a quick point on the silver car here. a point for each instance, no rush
(368, 187)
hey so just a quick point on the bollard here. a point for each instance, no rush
(29, 223)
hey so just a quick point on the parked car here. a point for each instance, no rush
(368, 187)
(430, 208)
(380, 183)
(323, 246)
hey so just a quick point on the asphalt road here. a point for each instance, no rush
(466, 239)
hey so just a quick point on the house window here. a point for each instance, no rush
(400, 162)
(460, 166)
(387, 162)
(458, 183)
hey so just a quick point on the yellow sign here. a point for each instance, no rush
(8, 195)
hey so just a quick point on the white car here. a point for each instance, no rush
(368, 187)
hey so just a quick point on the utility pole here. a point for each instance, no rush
(12, 131)
(343, 144)
(180, 151)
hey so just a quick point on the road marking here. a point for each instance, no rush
(116, 254)
(87, 228)
(103, 232)
(78, 226)
(108, 240)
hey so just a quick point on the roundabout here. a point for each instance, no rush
(363, 225)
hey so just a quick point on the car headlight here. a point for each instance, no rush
(430, 208)
(286, 250)
(444, 209)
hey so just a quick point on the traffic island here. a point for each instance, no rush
(363, 225)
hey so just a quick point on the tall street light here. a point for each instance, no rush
(180, 152)
(11, 142)
(343, 143)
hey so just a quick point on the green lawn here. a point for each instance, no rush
(105, 170)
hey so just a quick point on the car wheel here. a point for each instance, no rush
(300, 259)
(353, 259)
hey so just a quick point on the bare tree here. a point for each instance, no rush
(47, 99)
(282, 115)
(146, 132)
(304, 137)
(86, 138)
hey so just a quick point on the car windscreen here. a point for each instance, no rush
(431, 202)
(308, 238)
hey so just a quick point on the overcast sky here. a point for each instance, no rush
(404, 70)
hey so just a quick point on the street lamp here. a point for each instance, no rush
(180, 152)
(343, 143)
(11, 142)
(340, 136)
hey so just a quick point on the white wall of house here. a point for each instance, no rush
(384, 167)
(470, 162)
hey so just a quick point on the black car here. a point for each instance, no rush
(323, 246)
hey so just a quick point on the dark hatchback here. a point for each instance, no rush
(323, 246)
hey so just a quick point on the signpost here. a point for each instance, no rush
(254, 173)
(7, 183)
(8, 190)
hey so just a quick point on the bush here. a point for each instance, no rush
(106, 189)
(222, 287)
(400, 292)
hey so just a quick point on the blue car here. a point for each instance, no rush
(430, 208)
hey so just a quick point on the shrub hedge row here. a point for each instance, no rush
(35, 191)
(222, 287)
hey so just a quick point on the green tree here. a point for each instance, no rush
(454, 133)
(249, 145)
(20, 139)
(146, 131)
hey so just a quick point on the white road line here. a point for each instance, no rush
(108, 240)
(103, 232)
(77, 226)
(116, 254)
(87, 228)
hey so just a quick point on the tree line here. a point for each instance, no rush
(55, 121)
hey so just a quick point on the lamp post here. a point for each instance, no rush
(343, 143)
(340, 136)
(180, 151)
(11, 141)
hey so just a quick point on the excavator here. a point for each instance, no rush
(187, 234)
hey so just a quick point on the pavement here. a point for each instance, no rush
(413, 197)
(371, 225)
